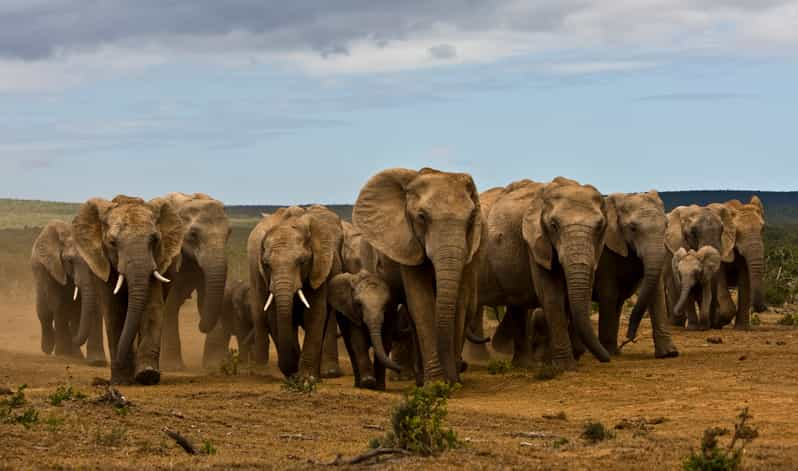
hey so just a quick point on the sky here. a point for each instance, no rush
(275, 102)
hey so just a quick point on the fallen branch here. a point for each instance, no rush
(295, 436)
(338, 461)
(529, 435)
(374, 427)
(181, 440)
(113, 397)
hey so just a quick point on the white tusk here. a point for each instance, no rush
(119, 282)
(302, 297)
(160, 277)
(398, 307)
(75, 294)
(268, 302)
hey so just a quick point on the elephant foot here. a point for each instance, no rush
(742, 326)
(331, 372)
(671, 352)
(121, 378)
(524, 361)
(678, 321)
(612, 348)
(148, 376)
(565, 364)
(368, 382)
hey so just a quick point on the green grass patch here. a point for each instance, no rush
(500, 367)
(65, 393)
(301, 384)
(713, 457)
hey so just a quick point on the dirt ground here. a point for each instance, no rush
(253, 423)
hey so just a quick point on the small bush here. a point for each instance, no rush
(788, 319)
(65, 393)
(595, 432)
(230, 364)
(208, 448)
(500, 367)
(17, 399)
(8, 408)
(417, 423)
(712, 457)
(755, 319)
(776, 294)
(301, 384)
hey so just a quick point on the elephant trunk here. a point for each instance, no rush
(473, 337)
(374, 325)
(88, 307)
(755, 258)
(287, 346)
(448, 273)
(684, 294)
(138, 277)
(653, 261)
(215, 270)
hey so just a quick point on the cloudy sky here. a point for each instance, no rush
(259, 101)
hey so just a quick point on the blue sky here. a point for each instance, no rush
(259, 102)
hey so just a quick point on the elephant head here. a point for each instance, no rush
(55, 251)
(692, 268)
(417, 216)
(133, 239)
(749, 221)
(693, 227)
(364, 298)
(293, 248)
(565, 228)
(636, 224)
(350, 249)
(207, 232)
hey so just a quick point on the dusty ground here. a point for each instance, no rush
(254, 424)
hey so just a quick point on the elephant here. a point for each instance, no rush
(236, 320)
(368, 318)
(693, 227)
(63, 295)
(429, 224)
(128, 243)
(694, 272)
(202, 266)
(746, 270)
(542, 248)
(350, 248)
(292, 255)
(632, 262)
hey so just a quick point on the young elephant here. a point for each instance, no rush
(64, 289)
(128, 242)
(292, 255)
(694, 272)
(368, 315)
(235, 320)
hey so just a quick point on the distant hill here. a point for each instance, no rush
(781, 207)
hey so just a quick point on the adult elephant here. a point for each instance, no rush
(64, 288)
(693, 227)
(201, 267)
(429, 224)
(632, 262)
(695, 273)
(128, 242)
(292, 255)
(746, 269)
(542, 249)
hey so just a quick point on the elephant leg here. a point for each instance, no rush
(172, 351)
(346, 334)
(503, 338)
(45, 315)
(742, 320)
(329, 357)
(663, 341)
(95, 350)
(418, 283)
(403, 354)
(260, 355)
(315, 324)
(517, 318)
(672, 297)
(359, 356)
(148, 353)
(726, 308)
(63, 333)
(121, 368)
(609, 321)
(553, 294)
(73, 314)
(216, 347)
(692, 315)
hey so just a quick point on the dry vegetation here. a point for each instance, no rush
(632, 413)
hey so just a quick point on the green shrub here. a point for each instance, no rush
(559, 442)
(500, 367)
(230, 364)
(208, 448)
(417, 423)
(755, 319)
(301, 384)
(788, 319)
(9, 406)
(595, 432)
(65, 393)
(714, 458)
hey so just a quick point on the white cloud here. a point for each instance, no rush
(580, 68)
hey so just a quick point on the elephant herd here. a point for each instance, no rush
(408, 279)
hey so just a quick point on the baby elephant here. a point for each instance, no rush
(367, 319)
(694, 272)
(236, 320)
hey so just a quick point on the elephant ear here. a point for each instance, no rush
(674, 239)
(758, 203)
(255, 247)
(678, 256)
(614, 239)
(172, 229)
(87, 230)
(729, 236)
(326, 236)
(48, 248)
(381, 216)
(340, 295)
(534, 234)
(710, 261)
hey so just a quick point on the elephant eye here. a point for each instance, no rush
(154, 238)
(633, 227)
(555, 226)
(422, 217)
(112, 242)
